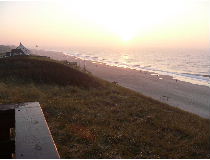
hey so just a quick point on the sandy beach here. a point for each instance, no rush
(189, 97)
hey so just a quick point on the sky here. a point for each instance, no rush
(106, 23)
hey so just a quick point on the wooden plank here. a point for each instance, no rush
(33, 138)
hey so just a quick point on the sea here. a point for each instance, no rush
(189, 65)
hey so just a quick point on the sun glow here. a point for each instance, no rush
(112, 23)
(126, 37)
(127, 18)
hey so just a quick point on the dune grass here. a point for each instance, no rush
(91, 118)
(43, 70)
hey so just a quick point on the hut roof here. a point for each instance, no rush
(24, 49)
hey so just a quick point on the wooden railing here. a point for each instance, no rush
(24, 133)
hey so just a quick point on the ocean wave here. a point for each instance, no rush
(202, 79)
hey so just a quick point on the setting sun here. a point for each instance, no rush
(130, 18)
(110, 22)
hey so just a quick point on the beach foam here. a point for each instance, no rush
(198, 76)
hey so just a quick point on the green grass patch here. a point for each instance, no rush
(91, 118)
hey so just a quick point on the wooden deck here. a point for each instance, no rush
(33, 139)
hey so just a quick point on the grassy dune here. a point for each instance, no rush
(91, 118)
(42, 70)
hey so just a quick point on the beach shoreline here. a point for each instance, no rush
(184, 95)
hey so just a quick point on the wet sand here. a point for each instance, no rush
(189, 97)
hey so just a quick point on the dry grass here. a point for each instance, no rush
(42, 71)
(109, 121)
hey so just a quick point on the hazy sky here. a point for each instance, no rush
(112, 23)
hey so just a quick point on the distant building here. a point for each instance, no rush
(19, 51)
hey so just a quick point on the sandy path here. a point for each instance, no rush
(189, 97)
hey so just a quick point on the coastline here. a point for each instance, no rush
(184, 95)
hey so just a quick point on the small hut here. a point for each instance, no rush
(20, 50)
